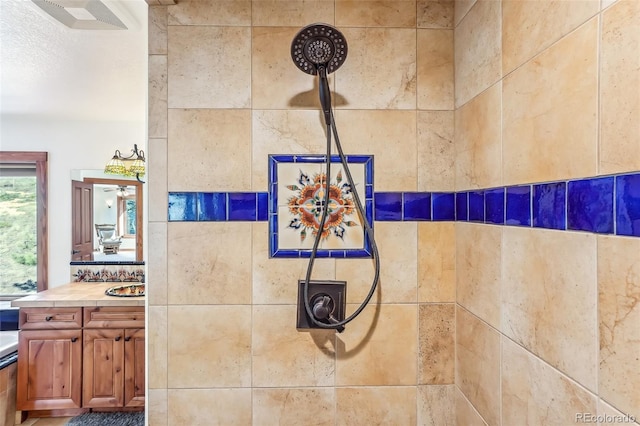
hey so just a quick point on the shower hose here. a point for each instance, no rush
(334, 324)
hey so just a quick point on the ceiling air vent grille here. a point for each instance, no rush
(82, 14)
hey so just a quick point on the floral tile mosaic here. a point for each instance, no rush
(296, 193)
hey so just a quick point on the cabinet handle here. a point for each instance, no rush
(118, 338)
(126, 339)
(74, 339)
(48, 318)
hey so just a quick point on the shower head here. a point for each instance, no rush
(319, 45)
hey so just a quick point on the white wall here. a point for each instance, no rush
(78, 95)
(71, 145)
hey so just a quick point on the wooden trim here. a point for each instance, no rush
(41, 161)
(139, 207)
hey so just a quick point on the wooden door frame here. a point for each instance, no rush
(139, 213)
(40, 159)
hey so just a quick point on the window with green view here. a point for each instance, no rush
(18, 233)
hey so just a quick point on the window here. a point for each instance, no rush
(23, 223)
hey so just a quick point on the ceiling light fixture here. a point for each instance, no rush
(131, 166)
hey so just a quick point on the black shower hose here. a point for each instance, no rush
(339, 325)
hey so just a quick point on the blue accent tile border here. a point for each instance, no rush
(601, 205)
(218, 206)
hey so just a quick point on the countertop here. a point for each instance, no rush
(77, 295)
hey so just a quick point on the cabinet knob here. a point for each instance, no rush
(48, 318)
(126, 339)
(74, 339)
(118, 338)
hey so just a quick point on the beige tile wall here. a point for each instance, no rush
(548, 324)
(547, 321)
(223, 94)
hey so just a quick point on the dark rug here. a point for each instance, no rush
(109, 419)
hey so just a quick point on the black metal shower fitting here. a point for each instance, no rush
(328, 303)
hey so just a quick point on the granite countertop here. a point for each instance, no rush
(77, 295)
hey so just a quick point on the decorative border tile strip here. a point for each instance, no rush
(107, 273)
(602, 205)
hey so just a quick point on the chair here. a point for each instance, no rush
(107, 238)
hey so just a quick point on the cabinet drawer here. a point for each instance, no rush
(50, 318)
(114, 317)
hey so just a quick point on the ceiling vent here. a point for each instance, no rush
(82, 14)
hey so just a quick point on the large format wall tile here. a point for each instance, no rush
(275, 281)
(534, 393)
(389, 405)
(478, 364)
(209, 150)
(461, 9)
(369, 79)
(388, 135)
(157, 180)
(397, 243)
(549, 298)
(214, 73)
(209, 263)
(611, 416)
(157, 341)
(157, 264)
(209, 346)
(620, 88)
(294, 406)
(276, 82)
(435, 69)
(381, 13)
(619, 315)
(477, 51)
(282, 356)
(158, 411)
(436, 405)
(465, 413)
(210, 12)
(157, 30)
(435, 13)
(478, 266)
(549, 112)
(285, 132)
(436, 346)
(478, 141)
(157, 97)
(290, 13)
(529, 27)
(229, 407)
(436, 262)
(389, 354)
(436, 151)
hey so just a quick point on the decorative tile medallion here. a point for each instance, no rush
(296, 193)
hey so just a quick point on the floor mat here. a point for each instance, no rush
(108, 419)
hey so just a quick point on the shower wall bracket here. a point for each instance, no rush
(327, 299)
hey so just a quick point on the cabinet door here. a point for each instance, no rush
(49, 369)
(103, 370)
(134, 369)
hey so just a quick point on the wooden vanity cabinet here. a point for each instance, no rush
(91, 357)
(50, 359)
(114, 357)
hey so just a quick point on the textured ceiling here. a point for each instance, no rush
(48, 69)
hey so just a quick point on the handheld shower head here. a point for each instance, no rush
(320, 49)
(319, 45)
